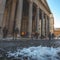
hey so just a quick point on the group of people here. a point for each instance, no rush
(5, 32)
(33, 35)
(51, 36)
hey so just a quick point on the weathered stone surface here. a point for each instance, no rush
(2, 7)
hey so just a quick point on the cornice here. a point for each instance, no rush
(46, 5)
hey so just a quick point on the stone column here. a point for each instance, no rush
(2, 8)
(46, 24)
(4, 18)
(37, 19)
(40, 27)
(42, 23)
(12, 17)
(30, 17)
(8, 10)
(19, 15)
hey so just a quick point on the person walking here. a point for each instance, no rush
(53, 35)
(50, 35)
(16, 31)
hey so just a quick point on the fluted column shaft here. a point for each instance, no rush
(2, 8)
(37, 19)
(12, 17)
(42, 23)
(19, 15)
(46, 24)
(30, 17)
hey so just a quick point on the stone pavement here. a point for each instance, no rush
(26, 42)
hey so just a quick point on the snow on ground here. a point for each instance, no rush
(37, 53)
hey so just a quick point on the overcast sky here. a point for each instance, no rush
(55, 8)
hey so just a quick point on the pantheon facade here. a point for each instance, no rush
(29, 16)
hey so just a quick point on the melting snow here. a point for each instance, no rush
(37, 53)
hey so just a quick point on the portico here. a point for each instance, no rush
(29, 16)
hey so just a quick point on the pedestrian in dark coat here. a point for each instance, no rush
(5, 31)
(49, 35)
(53, 35)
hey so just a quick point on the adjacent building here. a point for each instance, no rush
(29, 16)
(57, 32)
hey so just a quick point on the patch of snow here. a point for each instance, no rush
(37, 53)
